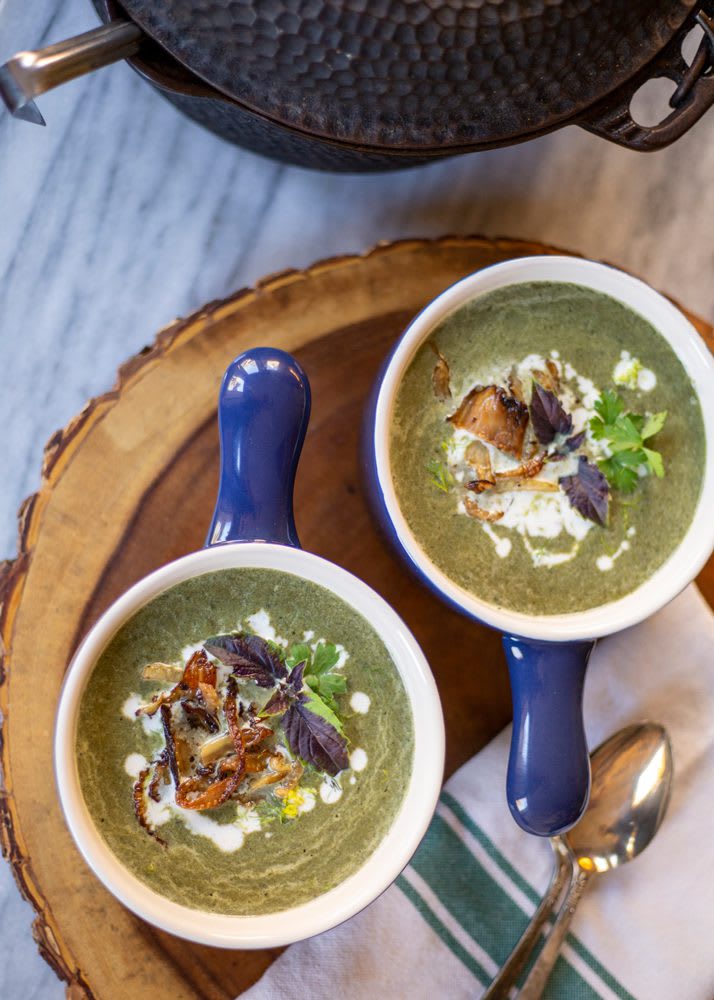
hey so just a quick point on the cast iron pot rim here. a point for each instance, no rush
(195, 86)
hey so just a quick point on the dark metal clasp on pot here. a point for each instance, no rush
(703, 61)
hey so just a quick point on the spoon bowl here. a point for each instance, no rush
(631, 785)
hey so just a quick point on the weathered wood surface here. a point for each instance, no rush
(130, 484)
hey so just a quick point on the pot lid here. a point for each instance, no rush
(414, 74)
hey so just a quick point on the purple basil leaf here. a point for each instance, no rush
(588, 491)
(250, 656)
(249, 672)
(278, 703)
(295, 680)
(548, 416)
(574, 442)
(314, 739)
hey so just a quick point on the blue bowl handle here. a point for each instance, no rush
(263, 413)
(548, 781)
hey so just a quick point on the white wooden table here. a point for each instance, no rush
(121, 215)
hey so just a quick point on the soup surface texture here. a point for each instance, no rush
(547, 448)
(294, 826)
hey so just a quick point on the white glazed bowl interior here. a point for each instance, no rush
(693, 551)
(401, 840)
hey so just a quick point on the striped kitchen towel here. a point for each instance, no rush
(644, 932)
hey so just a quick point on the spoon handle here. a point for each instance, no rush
(538, 976)
(563, 870)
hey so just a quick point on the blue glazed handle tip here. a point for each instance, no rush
(548, 783)
(263, 413)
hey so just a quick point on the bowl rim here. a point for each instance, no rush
(681, 566)
(398, 844)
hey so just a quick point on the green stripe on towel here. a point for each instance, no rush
(436, 925)
(493, 852)
(504, 864)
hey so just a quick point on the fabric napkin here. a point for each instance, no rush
(645, 931)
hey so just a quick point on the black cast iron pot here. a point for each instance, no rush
(374, 84)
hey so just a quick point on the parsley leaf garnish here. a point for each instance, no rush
(319, 674)
(653, 424)
(621, 471)
(300, 652)
(608, 407)
(328, 685)
(624, 433)
(324, 658)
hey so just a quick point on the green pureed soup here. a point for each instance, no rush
(294, 713)
(547, 448)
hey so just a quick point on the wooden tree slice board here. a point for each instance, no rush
(129, 485)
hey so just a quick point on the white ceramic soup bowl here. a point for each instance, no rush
(548, 774)
(263, 411)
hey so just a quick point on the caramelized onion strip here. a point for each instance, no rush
(199, 670)
(193, 794)
(441, 376)
(524, 471)
(170, 744)
(477, 512)
(477, 455)
(524, 486)
(140, 804)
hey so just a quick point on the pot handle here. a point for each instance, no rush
(611, 118)
(263, 413)
(548, 782)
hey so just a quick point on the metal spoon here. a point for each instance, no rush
(627, 806)
(29, 74)
(617, 765)
(563, 873)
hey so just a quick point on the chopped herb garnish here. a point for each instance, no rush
(588, 491)
(624, 433)
(440, 475)
(627, 372)
(269, 811)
